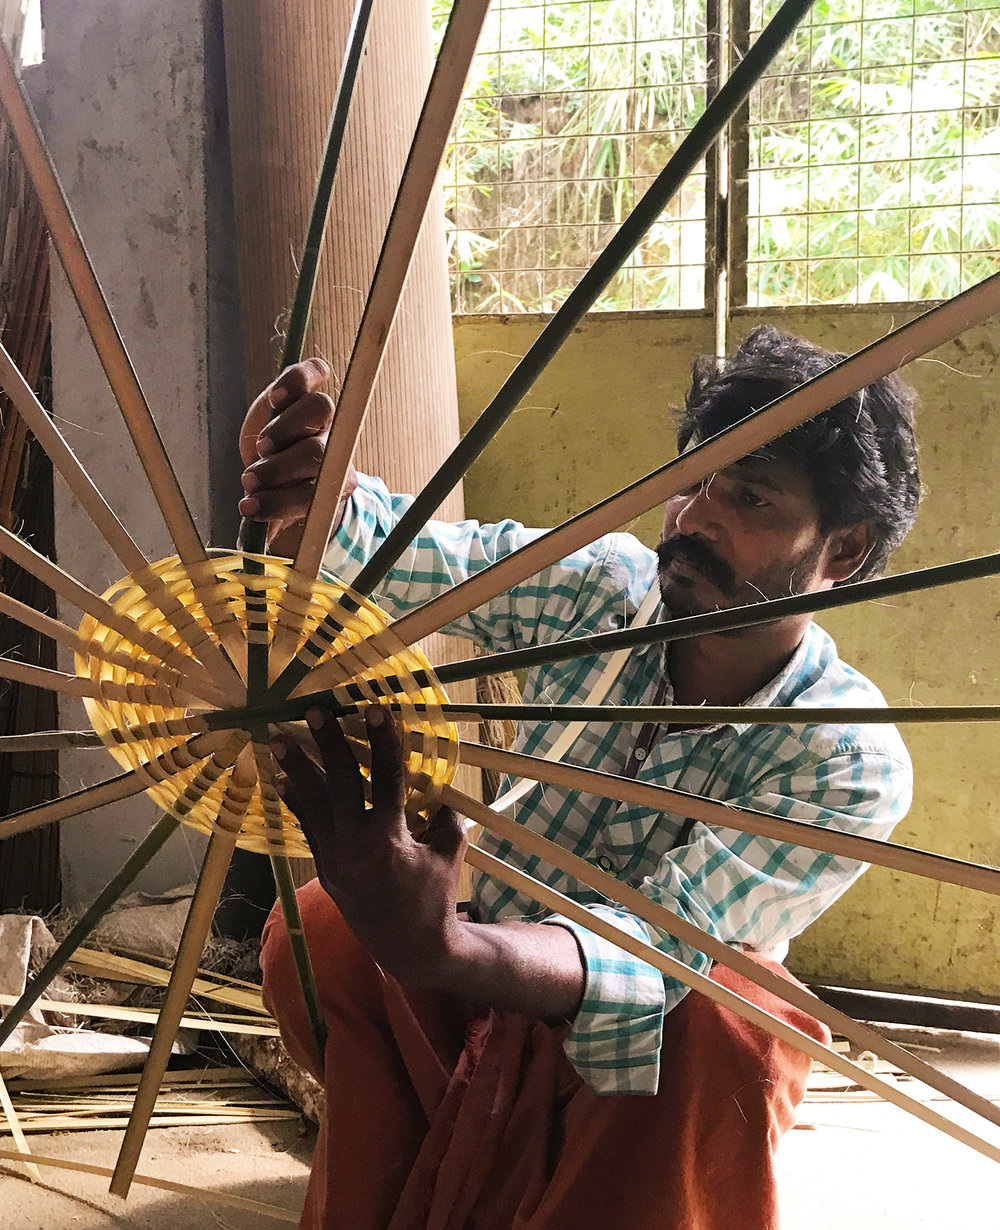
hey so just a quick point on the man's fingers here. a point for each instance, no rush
(305, 792)
(309, 415)
(387, 780)
(445, 833)
(343, 775)
(293, 383)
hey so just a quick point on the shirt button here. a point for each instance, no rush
(640, 753)
(605, 863)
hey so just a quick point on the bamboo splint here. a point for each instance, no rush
(196, 929)
(661, 916)
(673, 968)
(941, 324)
(14, 1123)
(48, 741)
(222, 1023)
(418, 179)
(114, 358)
(99, 964)
(84, 599)
(939, 867)
(105, 520)
(195, 1193)
(124, 786)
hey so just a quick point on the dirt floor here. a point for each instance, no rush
(853, 1162)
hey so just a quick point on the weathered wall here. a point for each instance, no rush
(600, 418)
(132, 123)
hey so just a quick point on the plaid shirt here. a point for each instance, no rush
(745, 890)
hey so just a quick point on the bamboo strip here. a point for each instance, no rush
(199, 922)
(100, 512)
(49, 740)
(194, 1193)
(668, 920)
(750, 1012)
(214, 1077)
(222, 1023)
(69, 1123)
(880, 358)
(151, 844)
(111, 349)
(977, 568)
(78, 595)
(15, 1130)
(939, 867)
(112, 790)
(124, 969)
(416, 183)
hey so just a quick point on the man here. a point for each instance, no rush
(485, 1070)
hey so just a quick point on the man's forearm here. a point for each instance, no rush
(515, 967)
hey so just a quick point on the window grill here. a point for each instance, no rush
(865, 168)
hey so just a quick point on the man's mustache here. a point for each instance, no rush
(700, 556)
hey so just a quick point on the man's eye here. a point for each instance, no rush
(752, 499)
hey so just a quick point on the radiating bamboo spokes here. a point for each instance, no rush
(419, 177)
(74, 685)
(197, 681)
(108, 343)
(884, 356)
(938, 867)
(666, 185)
(778, 986)
(106, 521)
(977, 568)
(199, 921)
(125, 785)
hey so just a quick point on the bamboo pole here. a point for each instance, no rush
(15, 1130)
(418, 179)
(143, 854)
(111, 351)
(103, 517)
(673, 968)
(939, 867)
(880, 358)
(84, 599)
(166, 1185)
(199, 922)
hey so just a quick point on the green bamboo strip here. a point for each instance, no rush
(295, 708)
(880, 358)
(108, 344)
(670, 180)
(167, 1185)
(673, 968)
(418, 180)
(143, 854)
(939, 867)
(282, 871)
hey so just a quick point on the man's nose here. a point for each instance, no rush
(699, 515)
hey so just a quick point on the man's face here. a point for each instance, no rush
(749, 533)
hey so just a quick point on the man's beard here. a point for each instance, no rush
(779, 581)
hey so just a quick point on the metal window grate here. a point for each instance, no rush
(570, 111)
(874, 155)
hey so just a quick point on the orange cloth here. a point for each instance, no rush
(508, 1137)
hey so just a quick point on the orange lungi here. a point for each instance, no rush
(438, 1119)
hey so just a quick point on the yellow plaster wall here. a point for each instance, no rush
(599, 418)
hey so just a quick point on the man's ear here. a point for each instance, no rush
(846, 551)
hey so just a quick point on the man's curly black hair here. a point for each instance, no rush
(860, 455)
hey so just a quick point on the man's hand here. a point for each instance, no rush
(396, 892)
(281, 443)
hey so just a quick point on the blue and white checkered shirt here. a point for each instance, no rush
(745, 890)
